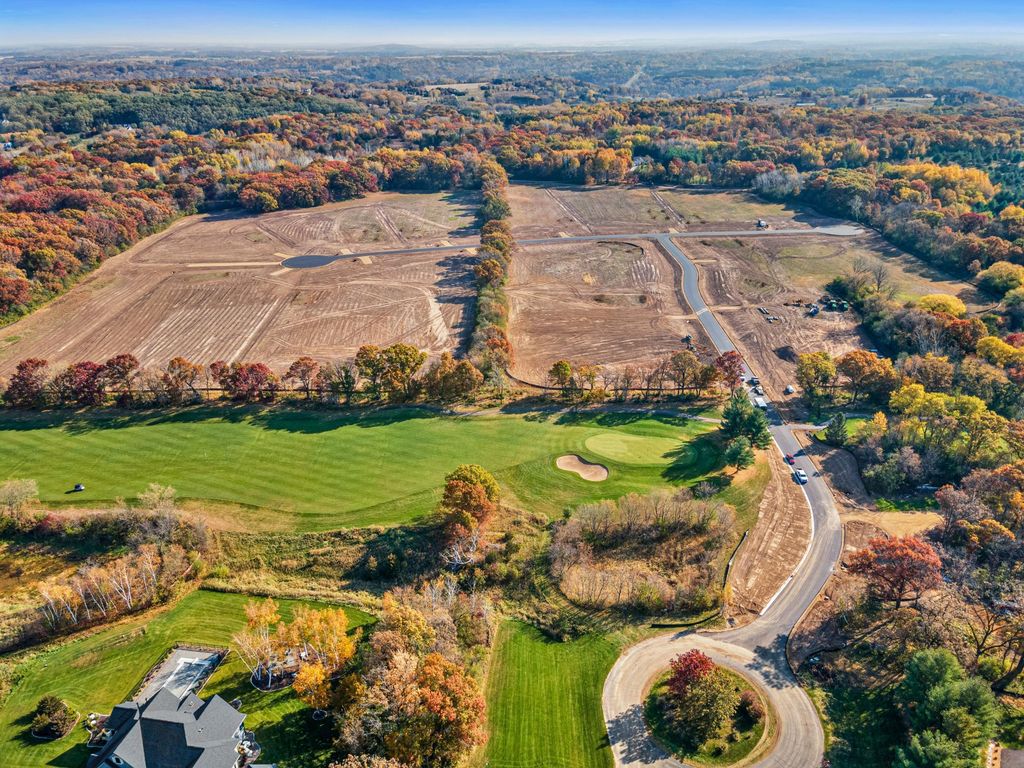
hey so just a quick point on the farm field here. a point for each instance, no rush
(96, 672)
(608, 303)
(212, 287)
(549, 211)
(739, 275)
(372, 468)
(704, 210)
(544, 700)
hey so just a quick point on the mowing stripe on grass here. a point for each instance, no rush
(310, 470)
(544, 700)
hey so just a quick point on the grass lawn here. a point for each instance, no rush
(717, 751)
(703, 207)
(853, 426)
(544, 700)
(290, 469)
(96, 672)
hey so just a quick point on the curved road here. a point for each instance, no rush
(757, 649)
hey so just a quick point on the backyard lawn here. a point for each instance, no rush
(288, 469)
(96, 672)
(544, 700)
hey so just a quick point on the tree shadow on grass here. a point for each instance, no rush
(297, 740)
(694, 458)
(289, 417)
(317, 420)
(75, 757)
(866, 727)
(618, 418)
(84, 421)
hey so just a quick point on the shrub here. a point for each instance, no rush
(751, 706)
(1001, 277)
(53, 718)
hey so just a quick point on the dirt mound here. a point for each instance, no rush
(787, 353)
(595, 473)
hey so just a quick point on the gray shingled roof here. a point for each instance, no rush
(168, 732)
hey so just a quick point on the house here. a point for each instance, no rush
(169, 731)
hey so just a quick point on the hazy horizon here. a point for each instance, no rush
(527, 24)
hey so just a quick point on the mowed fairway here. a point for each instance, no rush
(96, 672)
(289, 469)
(544, 700)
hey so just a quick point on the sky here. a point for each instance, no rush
(476, 23)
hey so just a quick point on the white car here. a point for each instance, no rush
(801, 476)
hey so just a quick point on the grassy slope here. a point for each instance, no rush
(544, 700)
(94, 673)
(320, 470)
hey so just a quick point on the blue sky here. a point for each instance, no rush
(490, 22)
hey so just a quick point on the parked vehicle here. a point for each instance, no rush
(790, 459)
(801, 476)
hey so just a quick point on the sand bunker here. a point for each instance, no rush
(595, 473)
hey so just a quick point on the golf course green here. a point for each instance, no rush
(290, 469)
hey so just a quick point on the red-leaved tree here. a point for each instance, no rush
(730, 368)
(687, 669)
(80, 383)
(898, 569)
(27, 387)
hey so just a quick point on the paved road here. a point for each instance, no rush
(319, 260)
(757, 649)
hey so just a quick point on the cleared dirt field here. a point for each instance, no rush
(550, 211)
(739, 275)
(212, 287)
(608, 303)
